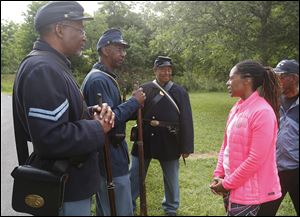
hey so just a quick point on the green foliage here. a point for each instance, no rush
(9, 50)
(204, 38)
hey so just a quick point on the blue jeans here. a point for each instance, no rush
(170, 169)
(76, 208)
(122, 197)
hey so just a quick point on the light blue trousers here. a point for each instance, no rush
(76, 208)
(122, 197)
(170, 202)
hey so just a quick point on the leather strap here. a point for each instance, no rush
(157, 98)
(156, 123)
(167, 95)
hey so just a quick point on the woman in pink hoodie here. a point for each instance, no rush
(246, 172)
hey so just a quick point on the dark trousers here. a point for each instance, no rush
(289, 181)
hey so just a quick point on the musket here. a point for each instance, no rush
(108, 169)
(142, 185)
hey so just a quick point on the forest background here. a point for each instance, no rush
(205, 39)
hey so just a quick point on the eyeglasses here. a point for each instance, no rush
(119, 49)
(81, 31)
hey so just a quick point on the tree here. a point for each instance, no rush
(205, 39)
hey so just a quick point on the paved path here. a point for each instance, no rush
(8, 156)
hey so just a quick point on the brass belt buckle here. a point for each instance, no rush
(154, 123)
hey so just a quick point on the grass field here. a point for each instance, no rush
(210, 111)
(7, 83)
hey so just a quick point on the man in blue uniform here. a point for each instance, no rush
(167, 132)
(49, 110)
(102, 79)
(287, 146)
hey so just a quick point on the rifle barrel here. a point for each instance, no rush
(108, 169)
(142, 185)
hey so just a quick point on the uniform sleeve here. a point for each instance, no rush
(186, 124)
(123, 111)
(263, 139)
(48, 109)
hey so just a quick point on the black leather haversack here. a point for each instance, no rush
(37, 191)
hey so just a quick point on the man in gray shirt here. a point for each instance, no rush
(287, 147)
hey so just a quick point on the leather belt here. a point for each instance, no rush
(156, 123)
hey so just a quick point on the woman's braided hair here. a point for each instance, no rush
(265, 78)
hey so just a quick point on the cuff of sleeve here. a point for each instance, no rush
(134, 101)
(100, 135)
(225, 184)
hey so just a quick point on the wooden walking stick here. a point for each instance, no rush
(142, 185)
(108, 169)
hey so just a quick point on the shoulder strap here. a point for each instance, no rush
(153, 102)
(97, 70)
(164, 91)
(86, 79)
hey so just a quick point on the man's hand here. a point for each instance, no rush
(139, 95)
(105, 116)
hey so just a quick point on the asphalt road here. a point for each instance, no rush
(8, 156)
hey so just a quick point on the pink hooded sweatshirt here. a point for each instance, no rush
(253, 173)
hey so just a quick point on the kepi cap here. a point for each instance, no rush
(55, 11)
(163, 61)
(287, 66)
(111, 36)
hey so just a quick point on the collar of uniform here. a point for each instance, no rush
(42, 45)
(163, 86)
(103, 68)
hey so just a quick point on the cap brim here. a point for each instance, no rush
(279, 71)
(122, 43)
(165, 64)
(81, 18)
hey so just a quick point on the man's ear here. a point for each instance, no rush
(155, 70)
(58, 29)
(105, 51)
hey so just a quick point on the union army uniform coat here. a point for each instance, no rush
(49, 111)
(176, 135)
(101, 80)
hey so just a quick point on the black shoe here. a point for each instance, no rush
(171, 214)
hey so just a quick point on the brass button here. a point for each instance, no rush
(154, 123)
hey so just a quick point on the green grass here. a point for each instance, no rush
(7, 83)
(195, 195)
(210, 112)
